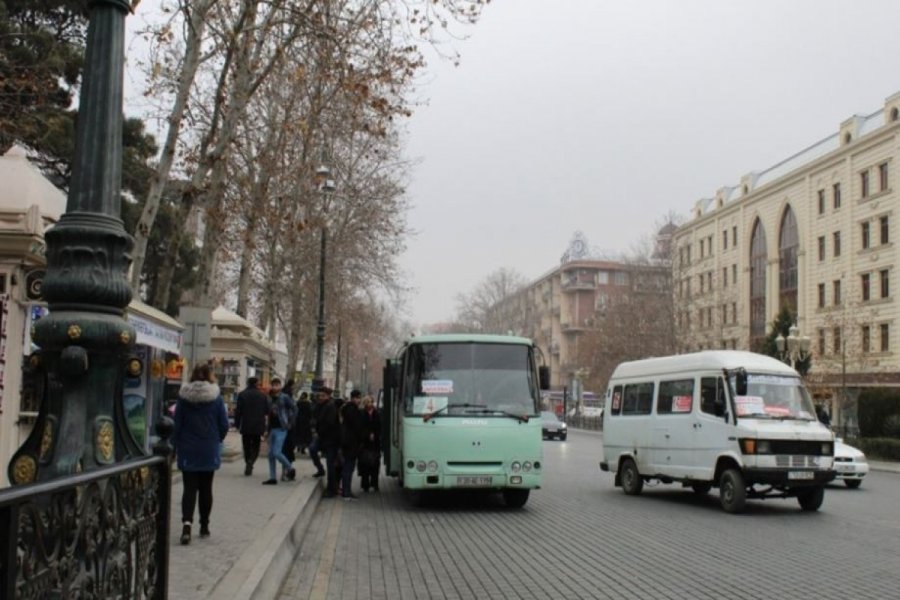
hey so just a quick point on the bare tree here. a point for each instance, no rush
(475, 308)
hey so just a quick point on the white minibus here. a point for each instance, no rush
(738, 421)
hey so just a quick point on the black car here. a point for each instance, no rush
(552, 427)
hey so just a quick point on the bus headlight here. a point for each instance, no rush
(763, 447)
(420, 466)
(826, 449)
(516, 467)
(526, 466)
(432, 466)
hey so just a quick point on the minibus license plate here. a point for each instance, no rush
(474, 481)
(801, 475)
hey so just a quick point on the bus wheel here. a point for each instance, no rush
(515, 498)
(811, 500)
(732, 491)
(632, 484)
(416, 497)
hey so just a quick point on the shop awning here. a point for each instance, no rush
(154, 327)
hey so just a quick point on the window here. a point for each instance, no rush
(821, 248)
(821, 342)
(836, 194)
(734, 236)
(702, 247)
(821, 295)
(836, 334)
(758, 262)
(701, 280)
(675, 396)
(821, 202)
(865, 280)
(866, 336)
(724, 315)
(724, 277)
(638, 399)
(885, 283)
(725, 239)
(712, 396)
(865, 236)
(709, 281)
(734, 273)
(864, 184)
(734, 312)
(837, 292)
(836, 242)
(788, 247)
(885, 337)
(883, 176)
(620, 278)
(709, 244)
(615, 405)
(884, 227)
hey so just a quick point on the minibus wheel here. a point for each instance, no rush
(632, 484)
(515, 498)
(732, 491)
(812, 499)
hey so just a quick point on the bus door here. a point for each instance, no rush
(391, 417)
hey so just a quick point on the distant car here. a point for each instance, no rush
(552, 427)
(850, 464)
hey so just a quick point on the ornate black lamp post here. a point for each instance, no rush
(795, 348)
(95, 521)
(326, 186)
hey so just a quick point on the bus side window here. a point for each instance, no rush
(712, 396)
(616, 403)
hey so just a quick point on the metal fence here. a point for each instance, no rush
(582, 422)
(99, 534)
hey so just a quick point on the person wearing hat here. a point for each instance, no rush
(351, 441)
(328, 430)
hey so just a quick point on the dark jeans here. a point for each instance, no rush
(331, 455)
(369, 473)
(314, 455)
(251, 448)
(347, 475)
(196, 482)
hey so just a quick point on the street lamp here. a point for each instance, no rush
(326, 186)
(793, 349)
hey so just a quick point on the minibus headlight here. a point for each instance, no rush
(826, 449)
(763, 447)
(516, 467)
(432, 466)
(526, 466)
(420, 466)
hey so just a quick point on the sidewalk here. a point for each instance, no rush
(256, 531)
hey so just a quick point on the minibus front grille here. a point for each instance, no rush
(795, 461)
(811, 448)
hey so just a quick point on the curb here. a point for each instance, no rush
(259, 573)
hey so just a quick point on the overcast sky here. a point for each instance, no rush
(603, 116)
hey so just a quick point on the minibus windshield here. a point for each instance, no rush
(774, 397)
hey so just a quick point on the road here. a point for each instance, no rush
(580, 537)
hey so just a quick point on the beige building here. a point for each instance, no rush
(558, 308)
(815, 232)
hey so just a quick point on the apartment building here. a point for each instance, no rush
(816, 233)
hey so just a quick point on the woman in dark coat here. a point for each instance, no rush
(303, 424)
(290, 441)
(370, 455)
(201, 423)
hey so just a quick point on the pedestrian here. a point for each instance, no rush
(370, 455)
(315, 448)
(281, 419)
(289, 439)
(201, 423)
(351, 442)
(251, 408)
(328, 431)
(303, 427)
(822, 414)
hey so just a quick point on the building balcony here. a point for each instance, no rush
(572, 286)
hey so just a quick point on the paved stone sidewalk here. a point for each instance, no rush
(243, 515)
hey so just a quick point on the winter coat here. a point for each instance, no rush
(250, 411)
(201, 423)
(351, 430)
(282, 412)
(327, 426)
(303, 427)
(371, 430)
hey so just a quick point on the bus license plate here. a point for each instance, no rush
(474, 481)
(801, 475)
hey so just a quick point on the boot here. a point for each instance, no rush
(186, 533)
(204, 530)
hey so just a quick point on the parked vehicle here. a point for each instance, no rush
(738, 421)
(849, 463)
(552, 427)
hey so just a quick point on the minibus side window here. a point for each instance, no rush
(616, 404)
(675, 397)
(638, 399)
(712, 396)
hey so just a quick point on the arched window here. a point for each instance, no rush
(758, 259)
(788, 244)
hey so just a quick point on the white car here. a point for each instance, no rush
(849, 463)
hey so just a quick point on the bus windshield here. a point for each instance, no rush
(774, 397)
(470, 378)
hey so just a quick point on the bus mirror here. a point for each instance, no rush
(740, 382)
(544, 377)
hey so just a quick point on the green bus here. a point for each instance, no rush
(463, 411)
